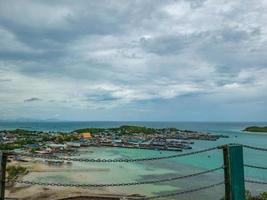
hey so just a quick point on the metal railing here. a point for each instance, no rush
(233, 167)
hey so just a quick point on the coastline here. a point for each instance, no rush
(44, 193)
(36, 192)
(90, 173)
(255, 133)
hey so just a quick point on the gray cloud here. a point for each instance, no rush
(33, 99)
(102, 98)
(113, 54)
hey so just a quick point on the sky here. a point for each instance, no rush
(133, 60)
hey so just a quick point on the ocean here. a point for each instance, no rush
(70, 126)
(127, 172)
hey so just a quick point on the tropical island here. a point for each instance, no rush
(256, 129)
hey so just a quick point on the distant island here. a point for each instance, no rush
(256, 129)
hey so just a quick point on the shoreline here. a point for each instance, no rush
(34, 192)
(39, 171)
(256, 129)
(256, 133)
(37, 192)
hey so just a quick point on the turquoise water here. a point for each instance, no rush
(164, 168)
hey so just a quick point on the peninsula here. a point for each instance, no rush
(126, 136)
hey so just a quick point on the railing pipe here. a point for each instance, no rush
(234, 172)
(3, 159)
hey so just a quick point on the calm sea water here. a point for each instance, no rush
(166, 168)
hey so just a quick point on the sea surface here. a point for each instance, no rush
(129, 172)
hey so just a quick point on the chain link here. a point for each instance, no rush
(247, 146)
(185, 191)
(114, 160)
(255, 167)
(256, 182)
(254, 148)
(118, 184)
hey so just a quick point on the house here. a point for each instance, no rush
(86, 136)
(57, 147)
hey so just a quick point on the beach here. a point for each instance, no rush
(83, 173)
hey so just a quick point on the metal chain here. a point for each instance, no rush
(183, 177)
(255, 167)
(256, 182)
(248, 146)
(118, 184)
(254, 148)
(114, 160)
(185, 191)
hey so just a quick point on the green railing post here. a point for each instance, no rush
(3, 159)
(234, 172)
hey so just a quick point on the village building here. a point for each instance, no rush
(86, 136)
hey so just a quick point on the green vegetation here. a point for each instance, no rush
(122, 130)
(262, 196)
(136, 129)
(17, 144)
(11, 146)
(22, 132)
(256, 129)
(15, 171)
(61, 138)
(21, 138)
(127, 130)
(34, 150)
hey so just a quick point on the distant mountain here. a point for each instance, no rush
(30, 120)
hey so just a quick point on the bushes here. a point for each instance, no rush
(65, 138)
(249, 196)
(14, 171)
(262, 196)
(10, 146)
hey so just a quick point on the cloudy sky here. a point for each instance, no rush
(191, 60)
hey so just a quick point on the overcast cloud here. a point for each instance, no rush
(193, 60)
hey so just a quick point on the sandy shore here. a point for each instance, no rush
(89, 173)
(36, 192)
(53, 193)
